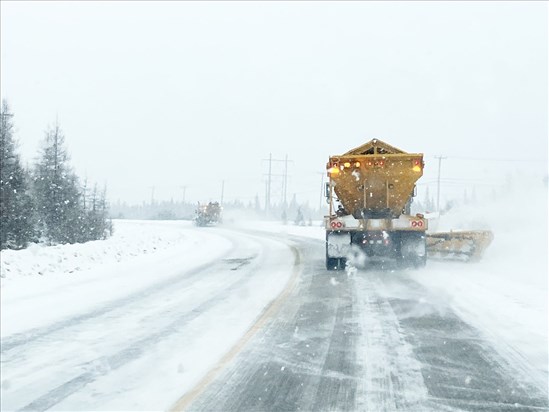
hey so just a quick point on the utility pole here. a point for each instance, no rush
(285, 178)
(152, 195)
(222, 191)
(321, 189)
(270, 176)
(268, 198)
(438, 181)
(184, 191)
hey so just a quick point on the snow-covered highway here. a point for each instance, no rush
(144, 347)
(348, 341)
(166, 316)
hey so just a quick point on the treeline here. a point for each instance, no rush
(46, 202)
(295, 212)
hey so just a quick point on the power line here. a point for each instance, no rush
(491, 159)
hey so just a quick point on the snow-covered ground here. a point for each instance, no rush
(138, 319)
(504, 296)
(64, 280)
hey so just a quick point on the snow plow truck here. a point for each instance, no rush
(208, 214)
(369, 191)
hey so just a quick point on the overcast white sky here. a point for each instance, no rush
(172, 94)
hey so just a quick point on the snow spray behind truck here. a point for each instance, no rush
(369, 191)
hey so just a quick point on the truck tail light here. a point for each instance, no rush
(336, 224)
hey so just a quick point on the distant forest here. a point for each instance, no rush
(46, 202)
(293, 212)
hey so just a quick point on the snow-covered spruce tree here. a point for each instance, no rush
(16, 206)
(98, 224)
(57, 192)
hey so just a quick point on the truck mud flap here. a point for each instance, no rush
(338, 244)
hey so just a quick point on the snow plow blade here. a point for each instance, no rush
(468, 246)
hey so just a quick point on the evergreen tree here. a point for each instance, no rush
(299, 220)
(57, 192)
(16, 206)
(99, 226)
(293, 208)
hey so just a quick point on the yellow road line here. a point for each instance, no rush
(182, 403)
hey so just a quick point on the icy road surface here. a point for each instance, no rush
(367, 340)
(168, 316)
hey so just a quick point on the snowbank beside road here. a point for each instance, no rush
(130, 239)
(139, 254)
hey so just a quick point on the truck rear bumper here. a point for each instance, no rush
(396, 244)
(342, 244)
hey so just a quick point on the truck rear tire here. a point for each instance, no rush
(420, 261)
(332, 263)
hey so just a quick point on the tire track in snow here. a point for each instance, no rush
(268, 313)
(340, 372)
(32, 335)
(460, 367)
(412, 353)
(296, 361)
(104, 365)
(392, 378)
